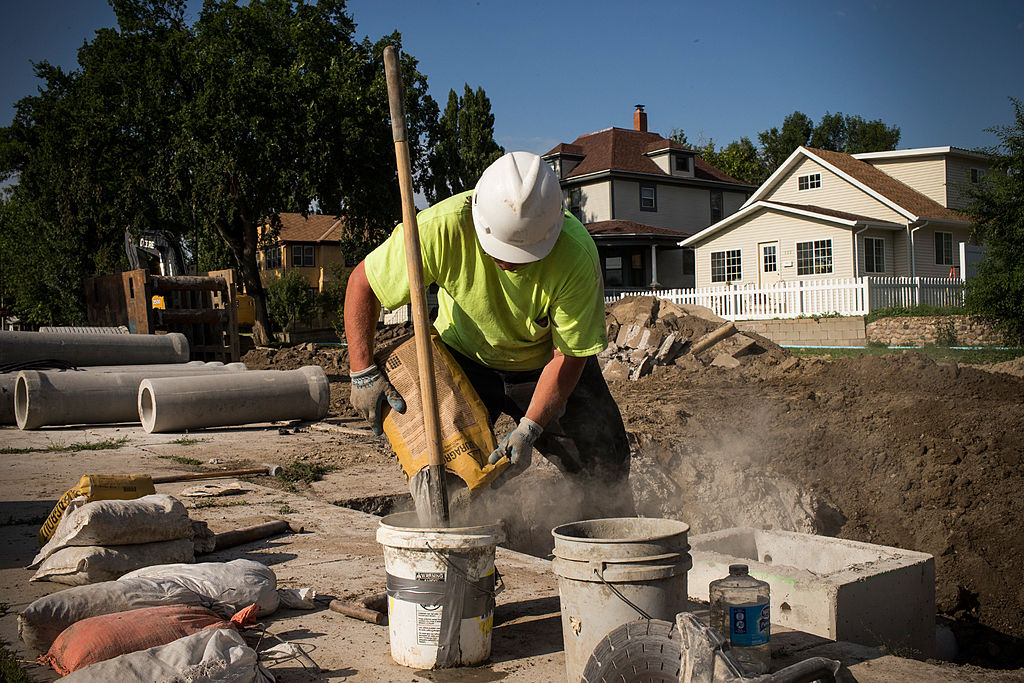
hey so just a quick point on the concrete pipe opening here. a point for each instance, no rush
(147, 406)
(21, 402)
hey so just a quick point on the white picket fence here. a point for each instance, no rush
(839, 296)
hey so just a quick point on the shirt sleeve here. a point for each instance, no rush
(577, 314)
(387, 272)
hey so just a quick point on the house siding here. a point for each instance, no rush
(896, 253)
(834, 192)
(924, 250)
(595, 202)
(680, 207)
(766, 226)
(927, 175)
(958, 180)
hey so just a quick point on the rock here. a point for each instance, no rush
(636, 310)
(724, 360)
(630, 335)
(789, 363)
(615, 369)
(665, 351)
(689, 362)
(641, 369)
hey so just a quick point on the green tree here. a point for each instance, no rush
(464, 145)
(852, 134)
(290, 298)
(777, 144)
(740, 159)
(679, 135)
(997, 212)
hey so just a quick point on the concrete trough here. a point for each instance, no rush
(830, 587)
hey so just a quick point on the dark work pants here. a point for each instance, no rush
(586, 441)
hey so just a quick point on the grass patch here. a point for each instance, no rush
(191, 462)
(306, 472)
(63, 447)
(187, 441)
(215, 503)
(936, 353)
(11, 669)
(286, 509)
(913, 312)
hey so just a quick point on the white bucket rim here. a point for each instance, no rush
(401, 530)
(559, 534)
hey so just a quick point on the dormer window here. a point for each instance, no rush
(808, 182)
(553, 163)
(682, 163)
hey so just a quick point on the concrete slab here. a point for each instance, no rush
(831, 587)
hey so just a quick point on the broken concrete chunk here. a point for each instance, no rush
(615, 369)
(789, 363)
(689, 362)
(724, 360)
(632, 335)
(638, 356)
(665, 350)
(641, 369)
(636, 310)
(742, 345)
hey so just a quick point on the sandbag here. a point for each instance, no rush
(210, 656)
(149, 519)
(466, 436)
(79, 565)
(98, 639)
(97, 487)
(224, 587)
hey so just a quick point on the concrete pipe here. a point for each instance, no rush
(174, 404)
(63, 397)
(93, 349)
(9, 380)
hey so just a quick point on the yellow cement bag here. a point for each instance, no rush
(466, 438)
(97, 487)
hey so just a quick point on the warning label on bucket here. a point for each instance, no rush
(428, 625)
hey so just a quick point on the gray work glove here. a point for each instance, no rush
(370, 388)
(517, 446)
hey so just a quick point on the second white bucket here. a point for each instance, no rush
(613, 571)
(441, 587)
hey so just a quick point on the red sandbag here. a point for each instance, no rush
(109, 635)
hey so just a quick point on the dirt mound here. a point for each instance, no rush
(896, 450)
(1010, 367)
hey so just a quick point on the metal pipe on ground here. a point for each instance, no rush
(93, 349)
(174, 404)
(64, 397)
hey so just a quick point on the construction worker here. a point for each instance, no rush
(521, 308)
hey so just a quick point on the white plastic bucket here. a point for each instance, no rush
(441, 585)
(611, 570)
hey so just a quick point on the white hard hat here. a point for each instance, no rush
(517, 208)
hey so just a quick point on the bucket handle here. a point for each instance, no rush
(598, 573)
(499, 581)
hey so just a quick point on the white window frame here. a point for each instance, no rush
(303, 256)
(730, 263)
(770, 255)
(814, 257)
(874, 254)
(808, 182)
(653, 199)
(943, 242)
(272, 258)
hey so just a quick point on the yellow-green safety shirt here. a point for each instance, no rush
(502, 319)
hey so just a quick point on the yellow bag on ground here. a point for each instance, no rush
(466, 438)
(97, 487)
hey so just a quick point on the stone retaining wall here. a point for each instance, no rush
(947, 330)
(809, 331)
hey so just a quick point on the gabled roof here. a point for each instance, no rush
(842, 218)
(621, 149)
(900, 197)
(618, 228)
(312, 228)
(922, 152)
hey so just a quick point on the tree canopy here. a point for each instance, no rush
(464, 145)
(255, 109)
(997, 212)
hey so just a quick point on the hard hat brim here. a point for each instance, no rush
(510, 252)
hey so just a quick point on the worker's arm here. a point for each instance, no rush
(370, 388)
(557, 381)
(362, 310)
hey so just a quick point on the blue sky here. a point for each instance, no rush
(942, 71)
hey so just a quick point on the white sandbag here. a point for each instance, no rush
(148, 519)
(210, 656)
(80, 565)
(224, 587)
(238, 582)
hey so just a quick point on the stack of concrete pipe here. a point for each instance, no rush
(103, 352)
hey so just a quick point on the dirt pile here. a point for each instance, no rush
(645, 332)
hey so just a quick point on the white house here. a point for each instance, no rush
(826, 215)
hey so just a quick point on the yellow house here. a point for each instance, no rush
(311, 244)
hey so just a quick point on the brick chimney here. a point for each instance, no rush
(640, 118)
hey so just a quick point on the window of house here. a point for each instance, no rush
(976, 175)
(682, 163)
(302, 256)
(814, 258)
(576, 203)
(771, 258)
(553, 163)
(874, 255)
(613, 271)
(272, 258)
(808, 182)
(716, 206)
(943, 248)
(726, 266)
(648, 198)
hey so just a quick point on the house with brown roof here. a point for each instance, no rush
(825, 215)
(638, 194)
(312, 244)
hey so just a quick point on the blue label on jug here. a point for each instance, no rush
(749, 625)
